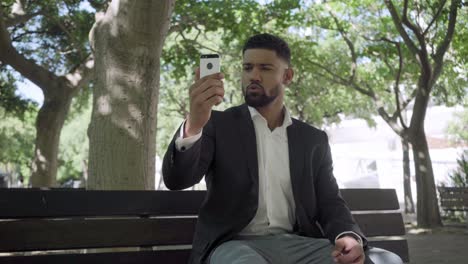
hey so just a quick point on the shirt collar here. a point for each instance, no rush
(287, 116)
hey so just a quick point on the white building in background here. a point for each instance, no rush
(372, 157)
(366, 157)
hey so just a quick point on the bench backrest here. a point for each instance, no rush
(454, 198)
(146, 226)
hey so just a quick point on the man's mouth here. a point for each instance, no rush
(254, 88)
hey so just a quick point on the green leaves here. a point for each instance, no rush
(11, 103)
(17, 141)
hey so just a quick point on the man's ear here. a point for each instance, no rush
(288, 76)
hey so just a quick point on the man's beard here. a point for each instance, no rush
(259, 98)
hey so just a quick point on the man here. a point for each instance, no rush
(271, 194)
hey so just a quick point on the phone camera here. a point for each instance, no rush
(209, 66)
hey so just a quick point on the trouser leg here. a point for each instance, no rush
(277, 249)
(236, 252)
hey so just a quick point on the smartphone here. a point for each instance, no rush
(209, 64)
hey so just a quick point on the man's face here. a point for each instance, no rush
(263, 77)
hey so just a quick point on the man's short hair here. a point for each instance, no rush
(269, 42)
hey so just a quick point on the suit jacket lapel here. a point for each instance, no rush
(249, 142)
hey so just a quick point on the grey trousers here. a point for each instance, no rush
(287, 249)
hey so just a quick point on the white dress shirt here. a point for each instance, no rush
(276, 206)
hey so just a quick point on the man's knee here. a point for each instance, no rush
(381, 256)
(235, 252)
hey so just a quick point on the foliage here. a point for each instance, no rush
(457, 129)
(74, 143)
(458, 178)
(310, 98)
(9, 101)
(55, 37)
(17, 141)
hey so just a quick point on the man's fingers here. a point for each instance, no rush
(336, 253)
(199, 81)
(355, 256)
(203, 100)
(359, 260)
(215, 100)
(195, 90)
(339, 247)
(211, 92)
(197, 74)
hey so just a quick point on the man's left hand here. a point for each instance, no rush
(348, 251)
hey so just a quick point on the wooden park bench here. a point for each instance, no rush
(79, 226)
(454, 199)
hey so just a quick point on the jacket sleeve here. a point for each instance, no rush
(183, 169)
(334, 215)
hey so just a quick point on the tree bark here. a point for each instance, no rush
(49, 123)
(428, 214)
(127, 43)
(409, 203)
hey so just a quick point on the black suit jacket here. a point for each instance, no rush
(227, 155)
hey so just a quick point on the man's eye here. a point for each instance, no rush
(266, 69)
(247, 68)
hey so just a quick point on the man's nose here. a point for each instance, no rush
(255, 75)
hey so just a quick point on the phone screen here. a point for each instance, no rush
(209, 64)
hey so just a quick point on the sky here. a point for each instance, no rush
(29, 90)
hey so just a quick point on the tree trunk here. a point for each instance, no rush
(409, 203)
(49, 123)
(428, 214)
(127, 43)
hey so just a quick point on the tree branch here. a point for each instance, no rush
(436, 16)
(396, 88)
(409, 99)
(350, 45)
(417, 32)
(28, 68)
(19, 36)
(405, 20)
(398, 24)
(439, 55)
(15, 19)
(82, 75)
(73, 39)
(174, 28)
(194, 42)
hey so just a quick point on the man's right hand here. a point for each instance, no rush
(204, 94)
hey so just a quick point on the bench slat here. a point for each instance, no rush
(386, 224)
(371, 199)
(453, 189)
(454, 204)
(21, 203)
(25, 235)
(454, 195)
(140, 257)
(40, 234)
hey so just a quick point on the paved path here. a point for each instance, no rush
(445, 245)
